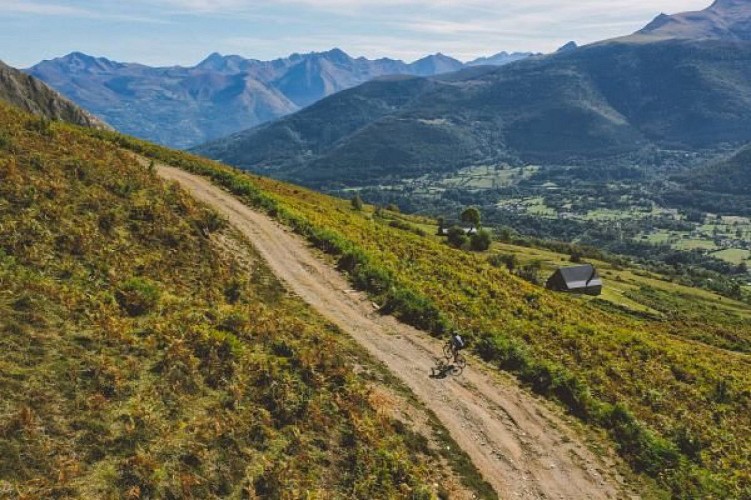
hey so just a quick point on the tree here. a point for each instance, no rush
(471, 216)
(441, 226)
(357, 203)
(504, 235)
(457, 238)
(480, 242)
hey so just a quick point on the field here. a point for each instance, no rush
(625, 209)
(671, 386)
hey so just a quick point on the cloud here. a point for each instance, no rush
(43, 9)
(265, 29)
(46, 9)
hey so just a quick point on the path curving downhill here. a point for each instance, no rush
(521, 447)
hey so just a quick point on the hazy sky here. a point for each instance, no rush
(165, 32)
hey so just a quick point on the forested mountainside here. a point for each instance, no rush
(599, 103)
(731, 176)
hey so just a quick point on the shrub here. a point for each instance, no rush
(509, 261)
(457, 238)
(138, 296)
(530, 272)
(415, 310)
(480, 241)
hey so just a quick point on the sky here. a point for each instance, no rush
(169, 32)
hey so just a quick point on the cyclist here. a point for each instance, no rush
(457, 344)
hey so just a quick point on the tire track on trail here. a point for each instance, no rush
(521, 447)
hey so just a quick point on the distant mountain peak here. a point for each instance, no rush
(218, 62)
(723, 20)
(78, 62)
(500, 59)
(569, 47)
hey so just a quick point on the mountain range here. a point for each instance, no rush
(724, 19)
(632, 96)
(33, 96)
(185, 106)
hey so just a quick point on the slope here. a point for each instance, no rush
(520, 446)
(34, 96)
(146, 350)
(605, 101)
(676, 405)
(727, 177)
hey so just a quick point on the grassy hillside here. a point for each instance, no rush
(676, 404)
(139, 359)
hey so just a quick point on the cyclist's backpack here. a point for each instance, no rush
(459, 341)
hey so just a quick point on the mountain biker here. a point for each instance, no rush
(457, 344)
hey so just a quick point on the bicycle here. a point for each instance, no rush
(459, 361)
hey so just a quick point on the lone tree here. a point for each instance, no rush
(357, 203)
(441, 226)
(471, 216)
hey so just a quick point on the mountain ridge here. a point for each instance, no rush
(595, 102)
(724, 20)
(222, 94)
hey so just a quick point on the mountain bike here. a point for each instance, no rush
(459, 361)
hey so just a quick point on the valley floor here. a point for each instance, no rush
(522, 446)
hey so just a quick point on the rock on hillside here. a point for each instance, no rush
(33, 96)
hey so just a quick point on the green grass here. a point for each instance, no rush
(733, 255)
(694, 244)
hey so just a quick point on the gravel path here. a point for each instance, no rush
(521, 447)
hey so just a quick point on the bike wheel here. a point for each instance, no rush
(447, 351)
(457, 369)
(461, 361)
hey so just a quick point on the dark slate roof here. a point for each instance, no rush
(577, 277)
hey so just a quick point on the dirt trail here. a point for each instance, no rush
(522, 448)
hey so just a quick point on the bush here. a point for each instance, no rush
(480, 242)
(415, 310)
(138, 296)
(530, 272)
(509, 261)
(457, 238)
